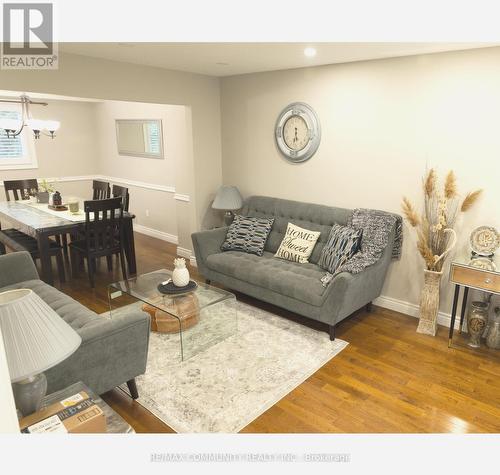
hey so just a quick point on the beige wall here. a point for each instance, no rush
(382, 123)
(80, 76)
(153, 208)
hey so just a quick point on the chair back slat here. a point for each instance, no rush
(121, 191)
(100, 190)
(20, 188)
(104, 224)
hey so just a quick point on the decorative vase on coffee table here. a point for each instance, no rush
(429, 303)
(180, 275)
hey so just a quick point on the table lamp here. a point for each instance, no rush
(36, 338)
(228, 198)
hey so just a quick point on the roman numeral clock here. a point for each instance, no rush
(298, 132)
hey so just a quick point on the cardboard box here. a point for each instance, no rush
(77, 414)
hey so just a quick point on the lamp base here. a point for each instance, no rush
(29, 392)
(228, 218)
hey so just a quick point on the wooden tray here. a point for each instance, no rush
(58, 207)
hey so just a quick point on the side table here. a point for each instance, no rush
(465, 273)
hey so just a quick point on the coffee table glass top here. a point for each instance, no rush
(193, 321)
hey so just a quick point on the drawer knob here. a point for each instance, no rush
(487, 280)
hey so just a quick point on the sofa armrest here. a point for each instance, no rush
(206, 243)
(112, 352)
(17, 267)
(349, 292)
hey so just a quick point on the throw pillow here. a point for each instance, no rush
(343, 242)
(298, 244)
(247, 234)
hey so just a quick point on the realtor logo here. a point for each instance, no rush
(28, 30)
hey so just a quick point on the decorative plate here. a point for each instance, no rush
(484, 240)
(484, 263)
(170, 289)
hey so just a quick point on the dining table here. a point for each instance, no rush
(42, 223)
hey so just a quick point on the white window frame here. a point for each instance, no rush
(28, 160)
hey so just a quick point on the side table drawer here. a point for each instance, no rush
(476, 278)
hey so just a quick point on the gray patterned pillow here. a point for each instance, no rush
(247, 234)
(343, 242)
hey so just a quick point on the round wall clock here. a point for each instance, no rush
(297, 132)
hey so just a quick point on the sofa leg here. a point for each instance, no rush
(331, 331)
(368, 307)
(132, 387)
(208, 281)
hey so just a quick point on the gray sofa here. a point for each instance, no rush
(295, 287)
(113, 351)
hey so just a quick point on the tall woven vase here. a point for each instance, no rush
(429, 303)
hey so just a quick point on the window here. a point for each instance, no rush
(16, 152)
(152, 137)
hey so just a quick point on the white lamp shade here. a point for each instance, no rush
(228, 198)
(36, 124)
(10, 124)
(52, 125)
(35, 336)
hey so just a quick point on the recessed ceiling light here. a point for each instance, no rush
(126, 45)
(310, 52)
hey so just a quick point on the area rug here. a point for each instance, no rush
(227, 386)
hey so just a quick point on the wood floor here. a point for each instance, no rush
(389, 378)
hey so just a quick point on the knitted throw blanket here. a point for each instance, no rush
(376, 226)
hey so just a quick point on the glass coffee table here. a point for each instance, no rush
(190, 322)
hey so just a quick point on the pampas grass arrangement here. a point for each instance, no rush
(441, 208)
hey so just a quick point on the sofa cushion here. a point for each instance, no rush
(247, 234)
(298, 281)
(306, 215)
(73, 313)
(342, 244)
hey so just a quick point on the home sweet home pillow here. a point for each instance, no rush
(298, 244)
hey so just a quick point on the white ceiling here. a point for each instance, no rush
(227, 59)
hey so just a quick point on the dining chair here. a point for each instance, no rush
(100, 190)
(18, 241)
(20, 188)
(103, 236)
(123, 192)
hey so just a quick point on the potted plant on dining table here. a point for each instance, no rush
(436, 237)
(44, 190)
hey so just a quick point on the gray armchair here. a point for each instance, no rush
(113, 351)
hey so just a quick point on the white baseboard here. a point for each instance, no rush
(156, 234)
(187, 254)
(411, 309)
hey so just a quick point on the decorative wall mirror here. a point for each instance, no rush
(139, 138)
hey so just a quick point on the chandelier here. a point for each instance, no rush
(13, 127)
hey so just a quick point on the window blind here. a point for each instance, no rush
(10, 147)
(153, 137)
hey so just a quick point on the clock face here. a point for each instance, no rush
(295, 132)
